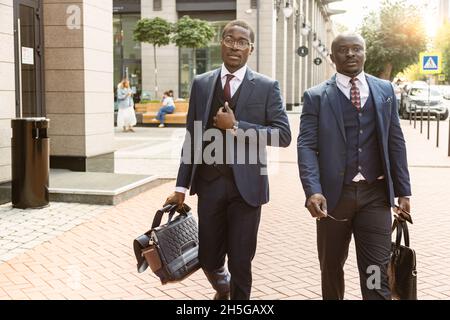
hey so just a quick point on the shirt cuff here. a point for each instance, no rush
(181, 190)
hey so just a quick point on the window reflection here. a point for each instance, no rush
(207, 59)
(127, 52)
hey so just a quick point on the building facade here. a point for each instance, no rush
(56, 60)
(281, 28)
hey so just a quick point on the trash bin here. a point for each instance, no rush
(30, 163)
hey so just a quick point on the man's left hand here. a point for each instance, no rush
(404, 209)
(224, 118)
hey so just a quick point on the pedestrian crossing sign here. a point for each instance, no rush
(430, 62)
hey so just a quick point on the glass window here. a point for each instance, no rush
(127, 52)
(208, 58)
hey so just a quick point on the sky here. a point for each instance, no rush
(358, 9)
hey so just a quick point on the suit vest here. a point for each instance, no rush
(212, 172)
(363, 150)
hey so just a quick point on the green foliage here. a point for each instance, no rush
(192, 33)
(412, 73)
(443, 44)
(154, 31)
(394, 36)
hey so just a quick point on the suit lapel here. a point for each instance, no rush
(248, 84)
(333, 96)
(211, 83)
(377, 98)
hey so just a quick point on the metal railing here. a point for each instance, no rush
(414, 113)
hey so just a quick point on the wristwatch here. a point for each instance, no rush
(236, 125)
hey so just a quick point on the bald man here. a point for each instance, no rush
(353, 164)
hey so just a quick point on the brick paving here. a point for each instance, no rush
(94, 259)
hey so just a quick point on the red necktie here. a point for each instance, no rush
(355, 96)
(227, 89)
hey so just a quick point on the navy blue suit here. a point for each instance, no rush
(229, 204)
(326, 167)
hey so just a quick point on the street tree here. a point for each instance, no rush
(442, 43)
(156, 32)
(193, 34)
(395, 35)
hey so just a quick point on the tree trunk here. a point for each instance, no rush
(386, 74)
(156, 73)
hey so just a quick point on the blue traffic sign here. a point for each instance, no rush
(430, 62)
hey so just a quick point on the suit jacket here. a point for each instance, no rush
(260, 108)
(322, 141)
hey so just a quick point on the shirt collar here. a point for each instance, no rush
(239, 74)
(345, 80)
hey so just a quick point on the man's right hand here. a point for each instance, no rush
(176, 198)
(317, 206)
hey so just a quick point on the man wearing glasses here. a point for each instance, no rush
(352, 162)
(237, 101)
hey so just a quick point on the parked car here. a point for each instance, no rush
(398, 94)
(445, 91)
(419, 97)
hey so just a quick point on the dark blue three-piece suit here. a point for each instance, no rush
(336, 142)
(230, 196)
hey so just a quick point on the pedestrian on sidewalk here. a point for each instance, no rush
(126, 117)
(352, 162)
(237, 101)
(168, 107)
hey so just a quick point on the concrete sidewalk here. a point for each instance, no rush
(93, 258)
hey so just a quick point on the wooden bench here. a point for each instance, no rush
(150, 110)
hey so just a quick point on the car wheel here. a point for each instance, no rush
(444, 116)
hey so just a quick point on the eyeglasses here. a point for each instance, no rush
(238, 44)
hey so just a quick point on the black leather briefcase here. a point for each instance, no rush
(402, 267)
(171, 250)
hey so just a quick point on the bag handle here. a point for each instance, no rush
(159, 214)
(402, 228)
(171, 209)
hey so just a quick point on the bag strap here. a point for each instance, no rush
(139, 244)
(402, 229)
(405, 232)
(171, 209)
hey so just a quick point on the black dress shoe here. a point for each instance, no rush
(222, 296)
(220, 281)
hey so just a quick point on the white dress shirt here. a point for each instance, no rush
(343, 83)
(235, 83)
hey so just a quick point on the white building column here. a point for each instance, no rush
(268, 36)
(290, 62)
(167, 56)
(79, 85)
(281, 47)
